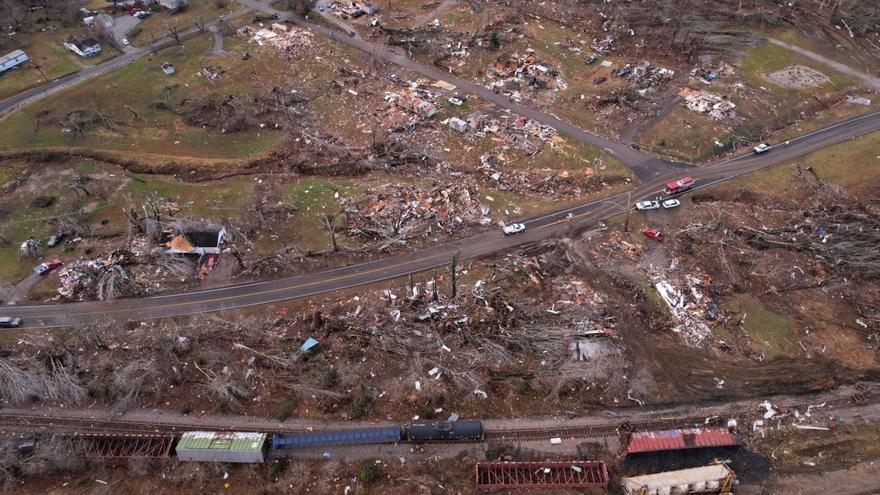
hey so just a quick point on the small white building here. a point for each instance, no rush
(11, 60)
(83, 46)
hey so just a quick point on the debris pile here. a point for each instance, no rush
(603, 46)
(644, 75)
(212, 73)
(513, 74)
(102, 279)
(292, 41)
(706, 73)
(717, 107)
(689, 305)
(402, 211)
(523, 134)
(413, 102)
(537, 182)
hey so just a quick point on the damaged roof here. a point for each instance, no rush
(694, 438)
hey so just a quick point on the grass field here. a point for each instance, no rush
(155, 27)
(762, 105)
(134, 87)
(49, 60)
(849, 164)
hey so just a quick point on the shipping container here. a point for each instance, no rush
(210, 446)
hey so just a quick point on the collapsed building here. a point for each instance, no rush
(513, 74)
(717, 107)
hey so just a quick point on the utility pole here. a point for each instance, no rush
(455, 273)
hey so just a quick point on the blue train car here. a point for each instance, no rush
(385, 434)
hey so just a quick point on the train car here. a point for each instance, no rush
(360, 436)
(421, 431)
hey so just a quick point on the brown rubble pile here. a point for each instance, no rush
(516, 75)
(402, 211)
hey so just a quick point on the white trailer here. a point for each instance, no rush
(12, 60)
(716, 479)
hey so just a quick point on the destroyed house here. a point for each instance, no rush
(200, 242)
(83, 46)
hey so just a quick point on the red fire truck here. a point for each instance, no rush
(679, 185)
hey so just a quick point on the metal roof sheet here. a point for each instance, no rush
(694, 438)
(211, 440)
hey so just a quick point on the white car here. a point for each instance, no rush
(514, 228)
(125, 42)
(647, 205)
(456, 101)
(671, 203)
(762, 148)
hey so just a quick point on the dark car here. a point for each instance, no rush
(55, 239)
(9, 322)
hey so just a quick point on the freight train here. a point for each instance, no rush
(253, 447)
(421, 431)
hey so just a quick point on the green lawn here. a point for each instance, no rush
(848, 164)
(49, 60)
(155, 27)
(767, 332)
(134, 87)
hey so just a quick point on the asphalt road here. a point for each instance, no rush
(35, 94)
(538, 228)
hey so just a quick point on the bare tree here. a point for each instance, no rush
(329, 221)
(200, 23)
(173, 30)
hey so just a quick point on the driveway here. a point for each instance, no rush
(123, 25)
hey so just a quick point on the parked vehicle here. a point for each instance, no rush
(514, 228)
(762, 148)
(680, 185)
(9, 322)
(591, 59)
(647, 205)
(46, 267)
(125, 42)
(600, 80)
(671, 203)
(456, 101)
(55, 239)
(653, 233)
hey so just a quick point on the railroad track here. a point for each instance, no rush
(14, 422)
(36, 422)
(654, 424)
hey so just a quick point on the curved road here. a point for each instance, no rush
(540, 227)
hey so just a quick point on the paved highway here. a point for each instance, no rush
(484, 244)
